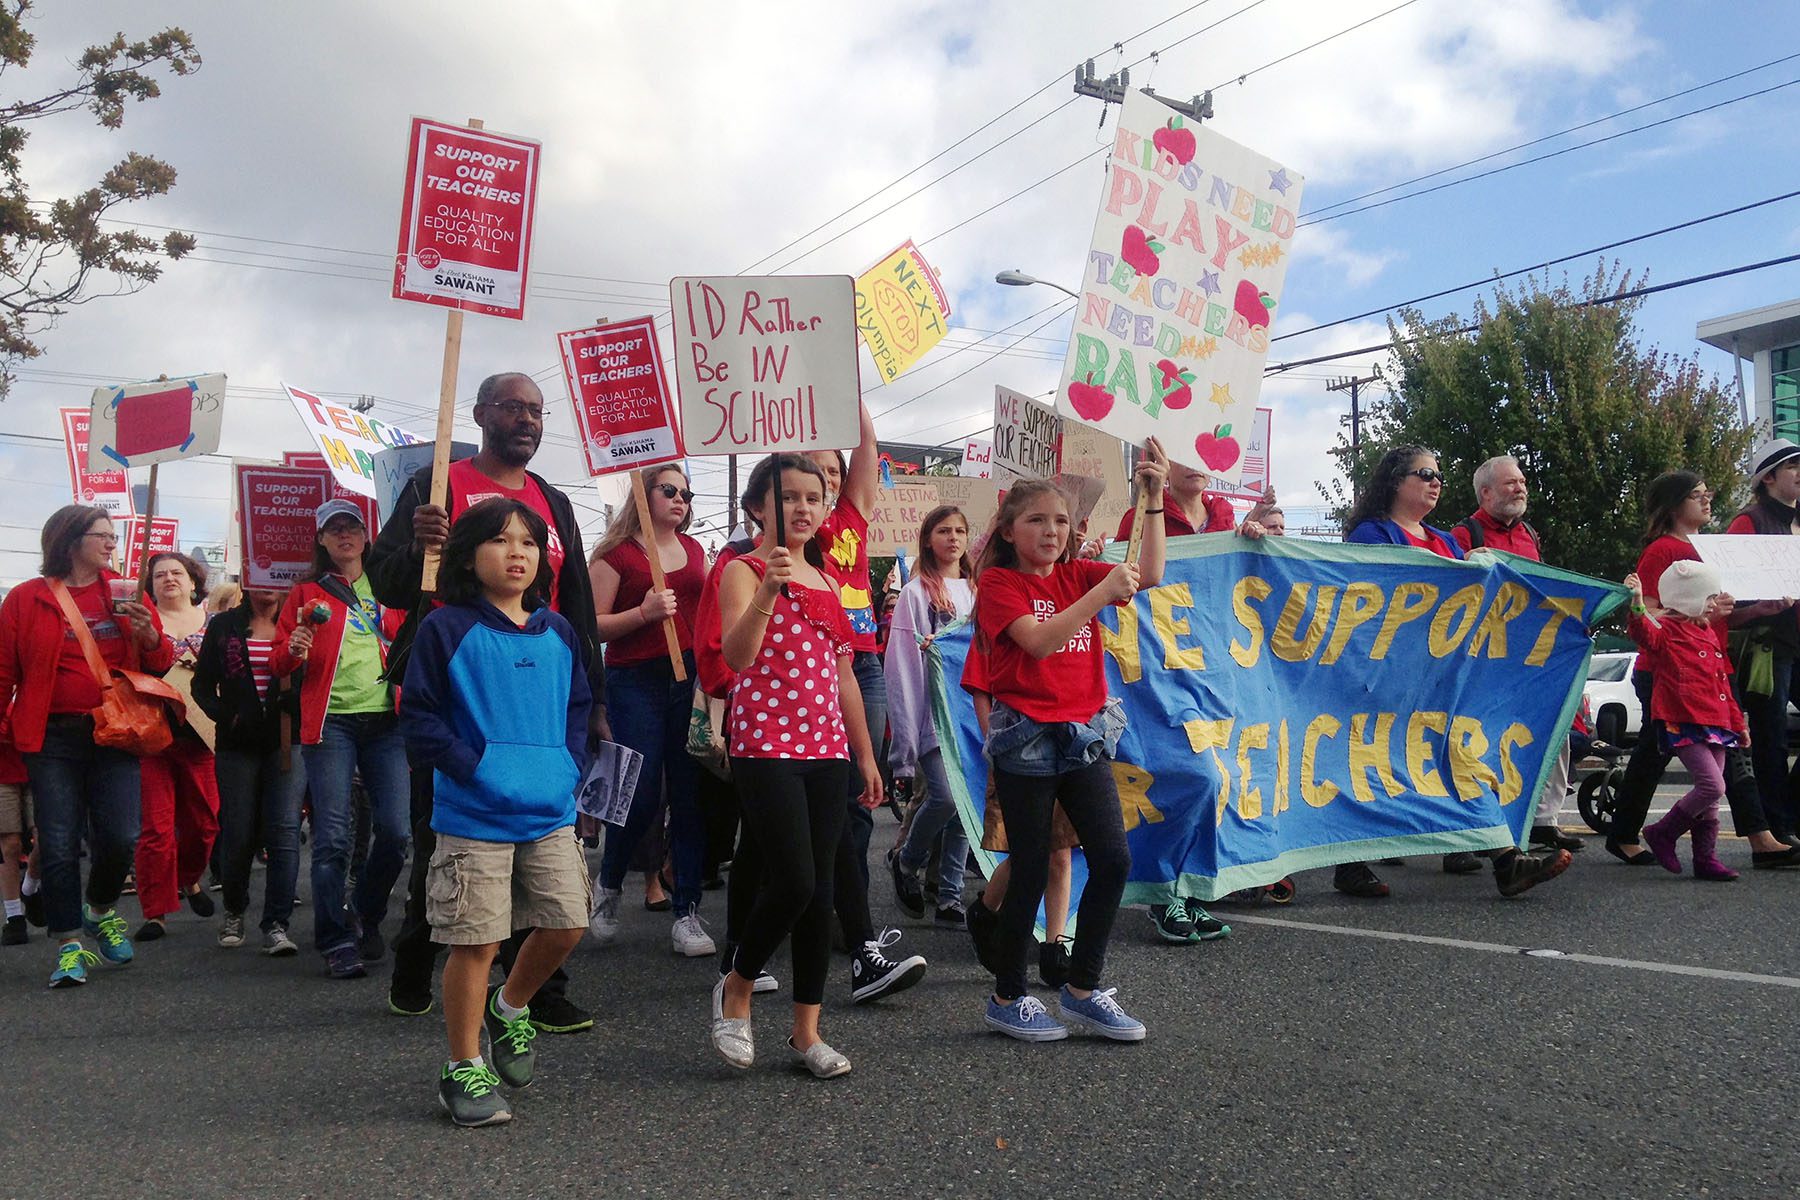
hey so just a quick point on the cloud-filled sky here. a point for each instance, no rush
(711, 138)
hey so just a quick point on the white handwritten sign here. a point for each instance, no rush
(1751, 567)
(978, 459)
(1027, 436)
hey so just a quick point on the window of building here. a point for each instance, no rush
(1784, 376)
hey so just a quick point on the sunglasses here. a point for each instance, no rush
(670, 491)
(1426, 473)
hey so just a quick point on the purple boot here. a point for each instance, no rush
(1706, 851)
(1662, 836)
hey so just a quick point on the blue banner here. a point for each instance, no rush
(1295, 704)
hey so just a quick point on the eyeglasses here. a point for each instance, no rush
(1701, 494)
(670, 491)
(514, 409)
(1425, 473)
(109, 538)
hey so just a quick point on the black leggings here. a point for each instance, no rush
(1091, 800)
(794, 812)
(1644, 770)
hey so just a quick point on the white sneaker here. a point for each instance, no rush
(231, 933)
(689, 938)
(277, 943)
(603, 921)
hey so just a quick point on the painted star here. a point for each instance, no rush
(1279, 181)
(1221, 396)
(1209, 283)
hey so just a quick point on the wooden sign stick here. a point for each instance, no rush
(149, 519)
(654, 553)
(446, 428)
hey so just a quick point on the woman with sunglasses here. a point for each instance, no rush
(647, 706)
(1391, 511)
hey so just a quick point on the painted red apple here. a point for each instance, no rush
(1176, 142)
(1172, 374)
(1140, 251)
(1253, 304)
(1218, 449)
(1090, 401)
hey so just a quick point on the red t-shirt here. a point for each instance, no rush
(1220, 518)
(74, 690)
(1516, 538)
(844, 540)
(469, 486)
(1426, 543)
(633, 565)
(1068, 685)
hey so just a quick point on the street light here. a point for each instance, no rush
(1021, 279)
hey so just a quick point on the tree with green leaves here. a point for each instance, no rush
(1557, 378)
(54, 253)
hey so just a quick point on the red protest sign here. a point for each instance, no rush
(620, 396)
(312, 460)
(465, 221)
(275, 513)
(110, 490)
(165, 537)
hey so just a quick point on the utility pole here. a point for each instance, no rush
(1112, 89)
(1353, 384)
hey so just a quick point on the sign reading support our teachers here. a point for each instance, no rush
(1294, 705)
(1181, 285)
(621, 396)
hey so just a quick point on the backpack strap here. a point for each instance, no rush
(85, 638)
(1477, 539)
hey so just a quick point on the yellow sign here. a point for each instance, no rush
(901, 311)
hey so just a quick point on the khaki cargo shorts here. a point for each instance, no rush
(478, 893)
(15, 807)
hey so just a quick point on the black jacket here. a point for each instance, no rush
(226, 691)
(395, 567)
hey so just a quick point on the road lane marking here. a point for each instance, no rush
(1597, 960)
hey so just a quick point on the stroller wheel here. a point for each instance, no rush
(1597, 798)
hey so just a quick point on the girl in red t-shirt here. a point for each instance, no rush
(796, 722)
(646, 705)
(1051, 736)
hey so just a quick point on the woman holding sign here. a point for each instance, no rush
(646, 705)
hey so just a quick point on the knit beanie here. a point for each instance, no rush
(1686, 586)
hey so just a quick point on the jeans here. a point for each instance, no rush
(649, 712)
(937, 812)
(851, 895)
(1644, 770)
(794, 810)
(82, 791)
(352, 742)
(259, 805)
(1767, 716)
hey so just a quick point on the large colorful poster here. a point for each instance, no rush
(1182, 283)
(111, 489)
(623, 410)
(1256, 476)
(466, 219)
(275, 515)
(767, 363)
(141, 424)
(901, 310)
(349, 440)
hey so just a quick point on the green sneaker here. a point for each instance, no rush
(469, 1094)
(72, 962)
(109, 928)
(509, 1042)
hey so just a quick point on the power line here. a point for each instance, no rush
(1054, 316)
(1315, 45)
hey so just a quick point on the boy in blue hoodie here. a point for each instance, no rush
(495, 704)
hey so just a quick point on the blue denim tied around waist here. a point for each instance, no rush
(1021, 746)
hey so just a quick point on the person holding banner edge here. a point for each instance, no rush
(509, 409)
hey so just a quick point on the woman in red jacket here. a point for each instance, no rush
(47, 697)
(332, 625)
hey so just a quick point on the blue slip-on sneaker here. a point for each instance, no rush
(1026, 1019)
(109, 930)
(345, 962)
(72, 962)
(1100, 1014)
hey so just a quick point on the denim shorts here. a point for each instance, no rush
(1021, 746)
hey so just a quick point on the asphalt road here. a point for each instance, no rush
(1300, 1057)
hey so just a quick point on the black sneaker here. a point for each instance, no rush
(1356, 879)
(471, 1095)
(15, 933)
(1519, 872)
(952, 916)
(873, 974)
(1172, 923)
(1551, 838)
(34, 908)
(559, 1014)
(981, 922)
(371, 945)
(403, 1002)
(1053, 962)
(202, 903)
(1206, 926)
(907, 890)
(1461, 862)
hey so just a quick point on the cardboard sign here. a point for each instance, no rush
(901, 311)
(110, 490)
(1027, 437)
(978, 460)
(1182, 283)
(1255, 478)
(897, 514)
(620, 396)
(1750, 566)
(466, 219)
(978, 499)
(1094, 455)
(144, 423)
(275, 514)
(767, 363)
(348, 440)
(165, 537)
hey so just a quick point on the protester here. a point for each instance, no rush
(261, 781)
(495, 704)
(940, 592)
(1764, 649)
(180, 804)
(509, 408)
(1188, 508)
(1678, 505)
(82, 792)
(15, 822)
(1274, 522)
(648, 708)
(1391, 510)
(331, 625)
(798, 723)
(222, 598)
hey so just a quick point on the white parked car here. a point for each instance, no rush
(1611, 698)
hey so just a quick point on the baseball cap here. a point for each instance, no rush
(336, 508)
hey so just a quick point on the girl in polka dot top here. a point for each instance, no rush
(796, 722)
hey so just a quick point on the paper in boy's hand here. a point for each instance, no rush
(611, 781)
